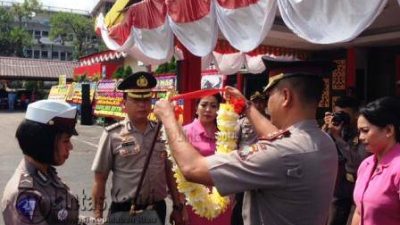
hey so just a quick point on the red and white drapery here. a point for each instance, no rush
(148, 30)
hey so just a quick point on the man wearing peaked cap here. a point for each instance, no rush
(31, 196)
(122, 150)
(288, 176)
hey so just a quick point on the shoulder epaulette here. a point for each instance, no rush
(25, 181)
(113, 126)
(276, 135)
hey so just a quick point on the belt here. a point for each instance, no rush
(350, 178)
(126, 206)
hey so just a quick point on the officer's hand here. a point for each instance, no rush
(232, 92)
(179, 217)
(164, 109)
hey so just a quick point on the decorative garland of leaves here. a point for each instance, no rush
(206, 203)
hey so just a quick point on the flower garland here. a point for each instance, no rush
(206, 203)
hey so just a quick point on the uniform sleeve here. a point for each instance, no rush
(25, 208)
(103, 160)
(235, 172)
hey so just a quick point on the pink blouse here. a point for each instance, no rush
(206, 145)
(377, 192)
(198, 137)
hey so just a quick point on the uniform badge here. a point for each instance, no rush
(26, 206)
(247, 151)
(62, 214)
(142, 82)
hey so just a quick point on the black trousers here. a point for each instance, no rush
(342, 202)
(160, 207)
(236, 218)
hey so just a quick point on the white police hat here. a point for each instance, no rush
(55, 113)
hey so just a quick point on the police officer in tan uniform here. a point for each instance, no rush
(122, 150)
(35, 194)
(289, 175)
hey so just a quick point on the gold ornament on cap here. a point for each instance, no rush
(142, 82)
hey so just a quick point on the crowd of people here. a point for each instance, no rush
(287, 169)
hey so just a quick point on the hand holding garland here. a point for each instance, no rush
(263, 126)
(205, 203)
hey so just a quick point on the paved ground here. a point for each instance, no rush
(75, 172)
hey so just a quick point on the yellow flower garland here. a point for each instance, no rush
(205, 203)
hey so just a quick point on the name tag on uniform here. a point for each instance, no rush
(129, 148)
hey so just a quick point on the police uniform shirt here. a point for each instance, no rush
(31, 197)
(246, 133)
(123, 149)
(289, 180)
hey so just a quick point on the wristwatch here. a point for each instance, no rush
(178, 207)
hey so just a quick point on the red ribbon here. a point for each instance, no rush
(197, 94)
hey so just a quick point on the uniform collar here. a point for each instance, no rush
(304, 125)
(43, 178)
(129, 127)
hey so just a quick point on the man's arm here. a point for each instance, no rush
(261, 124)
(98, 193)
(191, 163)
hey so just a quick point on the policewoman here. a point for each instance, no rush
(35, 194)
(122, 150)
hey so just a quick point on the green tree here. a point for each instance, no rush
(5, 29)
(13, 39)
(25, 11)
(76, 27)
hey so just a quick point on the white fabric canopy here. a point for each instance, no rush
(327, 21)
(246, 27)
(149, 27)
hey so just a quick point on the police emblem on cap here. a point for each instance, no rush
(142, 82)
(138, 85)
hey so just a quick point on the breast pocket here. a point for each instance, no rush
(295, 172)
(159, 154)
(126, 149)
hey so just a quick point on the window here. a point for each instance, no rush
(45, 54)
(62, 56)
(54, 55)
(36, 54)
(37, 34)
(45, 33)
(69, 55)
(28, 53)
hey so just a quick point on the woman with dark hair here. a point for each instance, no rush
(377, 189)
(201, 132)
(35, 194)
